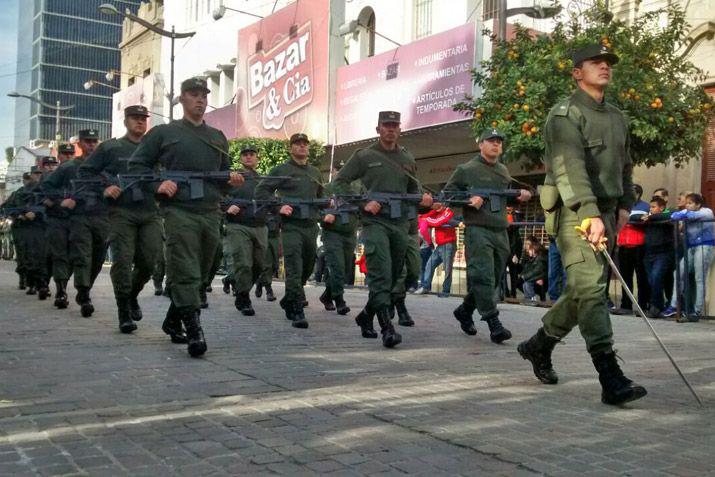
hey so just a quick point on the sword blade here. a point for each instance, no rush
(605, 253)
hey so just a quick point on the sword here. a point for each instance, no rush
(601, 247)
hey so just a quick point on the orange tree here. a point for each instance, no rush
(652, 84)
(271, 152)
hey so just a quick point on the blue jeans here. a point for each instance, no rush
(443, 254)
(659, 265)
(699, 260)
(557, 274)
(425, 254)
(529, 288)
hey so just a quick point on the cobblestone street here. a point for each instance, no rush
(79, 398)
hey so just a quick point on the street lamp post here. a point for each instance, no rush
(90, 83)
(220, 11)
(110, 9)
(537, 12)
(57, 107)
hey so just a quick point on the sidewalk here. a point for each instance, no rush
(79, 398)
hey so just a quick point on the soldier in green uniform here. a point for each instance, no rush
(246, 234)
(299, 234)
(339, 239)
(388, 168)
(134, 230)
(485, 235)
(28, 229)
(271, 262)
(191, 225)
(588, 184)
(58, 228)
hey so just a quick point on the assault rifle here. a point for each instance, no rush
(304, 207)
(15, 212)
(343, 206)
(395, 203)
(255, 204)
(493, 196)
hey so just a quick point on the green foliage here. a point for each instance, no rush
(9, 154)
(271, 152)
(652, 84)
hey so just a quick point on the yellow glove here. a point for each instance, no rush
(583, 232)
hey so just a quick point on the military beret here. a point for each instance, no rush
(194, 83)
(48, 160)
(88, 134)
(65, 148)
(136, 110)
(592, 51)
(246, 149)
(298, 137)
(388, 117)
(491, 133)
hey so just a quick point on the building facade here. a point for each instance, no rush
(62, 44)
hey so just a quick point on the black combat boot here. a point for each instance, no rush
(167, 291)
(259, 290)
(341, 306)
(126, 325)
(61, 300)
(84, 302)
(537, 349)
(158, 289)
(269, 293)
(43, 289)
(226, 282)
(463, 314)
(403, 316)
(287, 307)
(194, 333)
(172, 326)
(31, 285)
(616, 388)
(204, 299)
(135, 311)
(390, 338)
(364, 321)
(497, 332)
(299, 320)
(21, 285)
(243, 304)
(327, 301)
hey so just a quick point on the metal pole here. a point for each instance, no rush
(58, 135)
(678, 289)
(501, 14)
(171, 74)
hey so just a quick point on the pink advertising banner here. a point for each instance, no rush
(422, 80)
(282, 85)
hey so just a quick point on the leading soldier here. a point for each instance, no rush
(588, 183)
(384, 167)
(191, 225)
(134, 229)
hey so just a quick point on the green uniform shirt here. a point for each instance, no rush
(58, 184)
(22, 197)
(380, 170)
(247, 191)
(587, 156)
(182, 146)
(478, 173)
(306, 183)
(112, 158)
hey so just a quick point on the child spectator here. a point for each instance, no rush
(631, 249)
(533, 269)
(699, 246)
(659, 253)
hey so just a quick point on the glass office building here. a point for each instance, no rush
(61, 45)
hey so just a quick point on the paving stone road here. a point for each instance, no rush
(79, 398)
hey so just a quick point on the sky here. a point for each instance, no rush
(8, 57)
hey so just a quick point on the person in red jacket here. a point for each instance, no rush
(631, 254)
(441, 220)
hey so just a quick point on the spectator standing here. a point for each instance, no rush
(441, 220)
(557, 273)
(426, 245)
(631, 250)
(516, 247)
(659, 253)
(699, 246)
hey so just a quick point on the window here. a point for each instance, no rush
(490, 10)
(423, 18)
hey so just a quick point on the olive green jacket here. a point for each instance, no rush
(587, 156)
